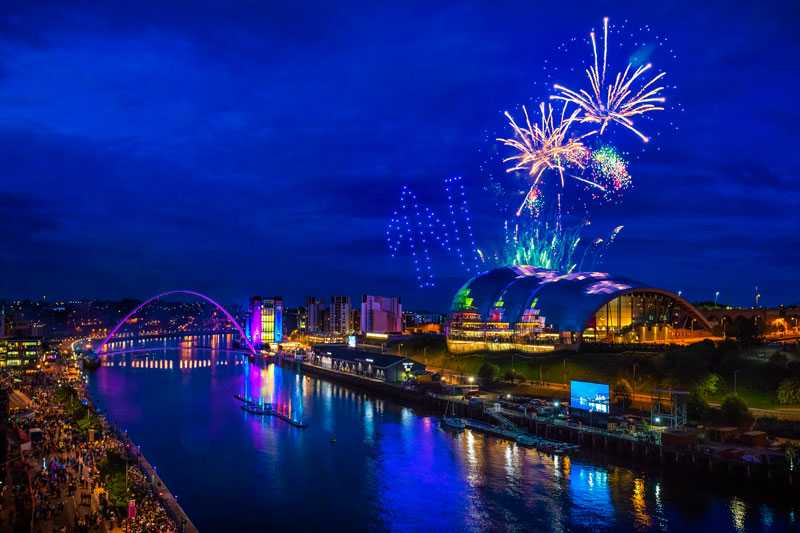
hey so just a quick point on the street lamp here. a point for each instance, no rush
(716, 295)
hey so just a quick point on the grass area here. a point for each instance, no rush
(112, 468)
(688, 368)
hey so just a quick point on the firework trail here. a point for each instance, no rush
(545, 146)
(617, 101)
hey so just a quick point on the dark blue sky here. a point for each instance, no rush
(244, 147)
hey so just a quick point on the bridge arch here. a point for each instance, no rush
(169, 293)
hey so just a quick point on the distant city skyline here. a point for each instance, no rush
(145, 149)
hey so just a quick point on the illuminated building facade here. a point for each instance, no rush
(314, 315)
(374, 365)
(381, 314)
(531, 309)
(340, 316)
(20, 351)
(265, 324)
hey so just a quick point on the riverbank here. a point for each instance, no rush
(717, 369)
(82, 474)
(768, 466)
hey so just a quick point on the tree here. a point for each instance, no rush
(779, 359)
(789, 391)
(623, 393)
(709, 385)
(512, 375)
(734, 410)
(696, 406)
(748, 333)
(488, 372)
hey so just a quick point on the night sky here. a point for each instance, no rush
(245, 148)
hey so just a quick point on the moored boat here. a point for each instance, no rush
(450, 420)
(453, 422)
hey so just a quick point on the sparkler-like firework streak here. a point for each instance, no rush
(545, 146)
(620, 101)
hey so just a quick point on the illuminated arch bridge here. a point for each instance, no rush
(532, 309)
(217, 305)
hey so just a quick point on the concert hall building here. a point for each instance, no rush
(532, 309)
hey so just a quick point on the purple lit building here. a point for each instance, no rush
(381, 314)
(265, 322)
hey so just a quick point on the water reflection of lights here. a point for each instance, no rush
(738, 512)
(167, 364)
(561, 466)
(589, 490)
(766, 516)
(512, 457)
(472, 458)
(369, 422)
(639, 504)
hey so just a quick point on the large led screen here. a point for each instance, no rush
(592, 397)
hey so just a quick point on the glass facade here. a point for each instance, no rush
(530, 309)
(643, 317)
(266, 321)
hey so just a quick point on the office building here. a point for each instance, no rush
(381, 314)
(340, 318)
(314, 318)
(20, 351)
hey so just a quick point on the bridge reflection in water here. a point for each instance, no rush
(262, 383)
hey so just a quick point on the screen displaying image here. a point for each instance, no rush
(592, 397)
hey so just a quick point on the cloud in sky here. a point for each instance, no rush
(247, 147)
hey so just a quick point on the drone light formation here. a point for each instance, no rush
(416, 230)
(618, 101)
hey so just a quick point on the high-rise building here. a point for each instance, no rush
(340, 316)
(294, 319)
(266, 320)
(381, 314)
(314, 322)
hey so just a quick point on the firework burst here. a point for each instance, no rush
(545, 146)
(610, 172)
(617, 101)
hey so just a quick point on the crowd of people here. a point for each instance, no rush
(82, 476)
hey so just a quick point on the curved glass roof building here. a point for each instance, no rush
(533, 309)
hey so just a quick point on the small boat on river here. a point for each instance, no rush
(450, 420)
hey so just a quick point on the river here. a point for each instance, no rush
(389, 468)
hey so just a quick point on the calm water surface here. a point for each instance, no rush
(390, 468)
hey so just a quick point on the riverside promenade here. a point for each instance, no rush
(75, 472)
